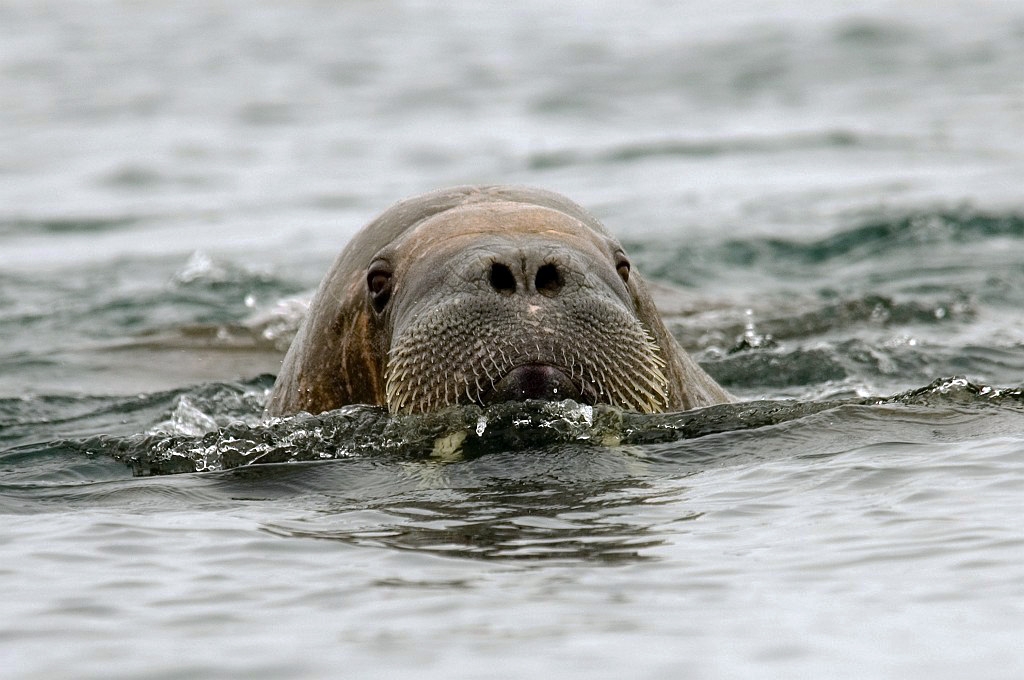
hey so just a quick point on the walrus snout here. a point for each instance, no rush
(541, 315)
(536, 381)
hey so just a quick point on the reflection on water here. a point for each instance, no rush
(515, 520)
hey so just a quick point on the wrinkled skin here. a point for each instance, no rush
(475, 295)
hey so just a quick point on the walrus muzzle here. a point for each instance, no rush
(521, 319)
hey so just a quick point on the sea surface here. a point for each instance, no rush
(828, 198)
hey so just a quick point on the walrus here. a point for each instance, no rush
(483, 294)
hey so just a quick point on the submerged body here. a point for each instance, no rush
(480, 295)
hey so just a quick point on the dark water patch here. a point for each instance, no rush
(267, 113)
(865, 33)
(66, 225)
(133, 177)
(708, 148)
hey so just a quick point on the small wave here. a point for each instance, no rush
(898, 362)
(884, 236)
(870, 310)
(124, 299)
(880, 235)
(271, 328)
(958, 391)
(203, 269)
(22, 418)
(703, 148)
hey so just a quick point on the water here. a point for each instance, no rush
(829, 202)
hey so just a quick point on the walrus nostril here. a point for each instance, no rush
(502, 278)
(549, 280)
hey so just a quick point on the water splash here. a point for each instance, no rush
(463, 432)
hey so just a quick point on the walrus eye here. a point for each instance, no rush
(378, 283)
(622, 267)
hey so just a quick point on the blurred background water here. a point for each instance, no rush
(828, 199)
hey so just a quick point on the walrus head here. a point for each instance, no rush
(505, 301)
(478, 295)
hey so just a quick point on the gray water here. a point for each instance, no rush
(828, 199)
